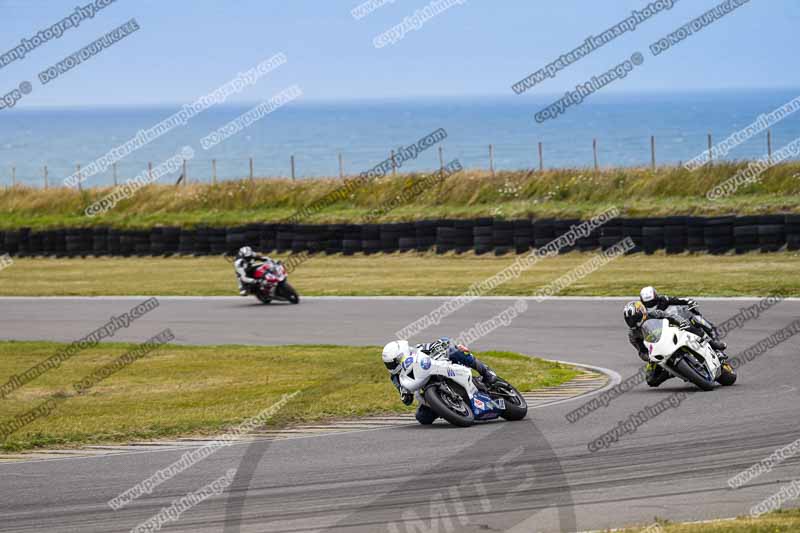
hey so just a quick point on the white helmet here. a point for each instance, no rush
(648, 295)
(246, 252)
(394, 353)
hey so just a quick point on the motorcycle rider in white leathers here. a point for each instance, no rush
(395, 352)
(243, 266)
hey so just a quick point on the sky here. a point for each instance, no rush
(475, 48)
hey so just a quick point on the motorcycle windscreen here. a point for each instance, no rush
(651, 330)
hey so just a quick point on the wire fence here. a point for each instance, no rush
(223, 169)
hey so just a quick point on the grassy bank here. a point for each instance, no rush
(777, 522)
(410, 274)
(187, 390)
(553, 193)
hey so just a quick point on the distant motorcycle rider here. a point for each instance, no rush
(652, 300)
(244, 266)
(395, 352)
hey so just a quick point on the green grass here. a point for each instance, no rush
(468, 194)
(410, 274)
(784, 521)
(193, 390)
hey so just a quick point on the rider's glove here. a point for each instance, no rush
(691, 304)
(406, 397)
(685, 324)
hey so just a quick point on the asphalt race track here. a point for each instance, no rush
(536, 475)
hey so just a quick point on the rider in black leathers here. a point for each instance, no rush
(652, 300)
(635, 314)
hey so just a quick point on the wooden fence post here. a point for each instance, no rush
(214, 171)
(114, 169)
(653, 152)
(710, 154)
(292, 161)
(341, 166)
(394, 164)
(769, 145)
(78, 166)
(491, 160)
(45, 177)
(251, 169)
(441, 159)
(185, 175)
(541, 159)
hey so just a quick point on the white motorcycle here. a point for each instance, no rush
(685, 355)
(452, 392)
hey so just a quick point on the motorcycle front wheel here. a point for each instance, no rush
(450, 406)
(516, 406)
(284, 290)
(687, 369)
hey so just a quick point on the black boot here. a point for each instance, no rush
(488, 375)
(425, 415)
(655, 375)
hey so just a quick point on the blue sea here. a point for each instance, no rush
(365, 132)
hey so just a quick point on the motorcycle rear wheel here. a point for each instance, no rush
(685, 369)
(440, 403)
(263, 298)
(516, 406)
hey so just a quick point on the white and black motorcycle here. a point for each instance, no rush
(453, 393)
(685, 355)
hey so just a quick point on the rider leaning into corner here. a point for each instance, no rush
(652, 300)
(395, 352)
(653, 305)
(244, 265)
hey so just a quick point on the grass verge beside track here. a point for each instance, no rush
(193, 390)
(563, 193)
(409, 274)
(778, 522)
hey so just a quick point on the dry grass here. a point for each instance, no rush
(778, 522)
(566, 193)
(409, 274)
(185, 390)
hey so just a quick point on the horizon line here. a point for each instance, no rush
(378, 99)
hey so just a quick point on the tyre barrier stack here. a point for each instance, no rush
(503, 236)
(425, 233)
(678, 234)
(792, 227)
(482, 236)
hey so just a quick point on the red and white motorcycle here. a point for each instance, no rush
(272, 283)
